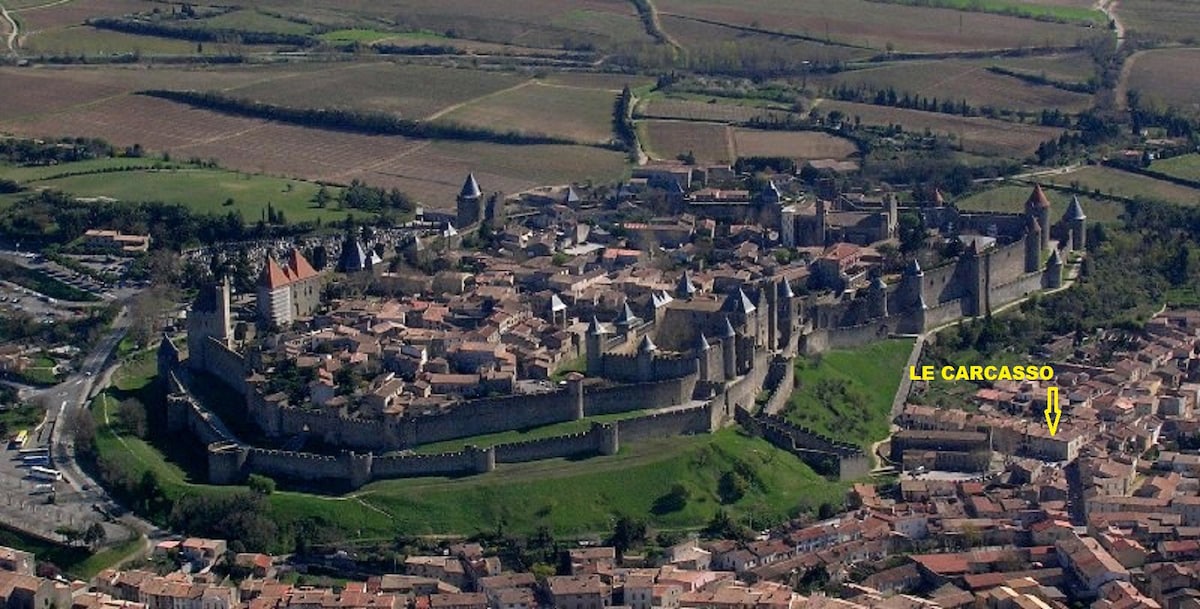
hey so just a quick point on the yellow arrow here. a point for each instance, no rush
(1052, 407)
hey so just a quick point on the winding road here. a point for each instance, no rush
(13, 31)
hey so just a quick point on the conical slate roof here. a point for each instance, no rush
(1054, 260)
(785, 289)
(728, 333)
(661, 299)
(647, 345)
(702, 343)
(627, 318)
(738, 302)
(354, 257)
(470, 188)
(913, 269)
(685, 288)
(572, 196)
(1075, 210)
(596, 328)
(1037, 199)
(556, 303)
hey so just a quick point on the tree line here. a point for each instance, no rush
(374, 123)
(200, 33)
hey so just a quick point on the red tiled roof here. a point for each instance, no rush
(300, 267)
(1037, 198)
(273, 275)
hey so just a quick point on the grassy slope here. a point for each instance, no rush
(573, 496)
(1011, 199)
(1185, 166)
(871, 372)
(202, 190)
(75, 561)
(523, 435)
(1125, 184)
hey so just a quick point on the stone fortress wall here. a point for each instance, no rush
(707, 381)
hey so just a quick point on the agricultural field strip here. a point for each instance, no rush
(453, 107)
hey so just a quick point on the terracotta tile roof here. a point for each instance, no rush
(273, 275)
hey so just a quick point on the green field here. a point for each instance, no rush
(204, 191)
(84, 40)
(1011, 199)
(1021, 9)
(1111, 181)
(253, 21)
(1186, 166)
(571, 496)
(522, 435)
(75, 561)
(359, 35)
(847, 394)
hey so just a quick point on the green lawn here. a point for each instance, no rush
(1011, 199)
(535, 433)
(581, 496)
(847, 394)
(75, 561)
(574, 496)
(1185, 166)
(201, 190)
(1108, 180)
(1020, 9)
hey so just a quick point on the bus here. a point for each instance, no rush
(42, 489)
(45, 473)
(36, 459)
(34, 451)
(18, 440)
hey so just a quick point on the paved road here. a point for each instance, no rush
(77, 496)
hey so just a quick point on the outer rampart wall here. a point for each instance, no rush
(674, 423)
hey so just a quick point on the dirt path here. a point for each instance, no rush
(13, 31)
(656, 28)
(1121, 91)
(453, 107)
(1109, 8)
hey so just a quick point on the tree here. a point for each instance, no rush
(674, 500)
(263, 485)
(70, 535)
(627, 532)
(731, 487)
(322, 198)
(133, 416)
(82, 428)
(912, 232)
(94, 535)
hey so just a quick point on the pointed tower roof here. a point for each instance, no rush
(647, 345)
(1054, 260)
(596, 328)
(685, 288)
(938, 197)
(702, 343)
(1075, 210)
(739, 302)
(300, 267)
(913, 269)
(627, 318)
(354, 257)
(1037, 199)
(470, 188)
(449, 231)
(785, 289)
(556, 303)
(728, 331)
(572, 196)
(662, 298)
(273, 275)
